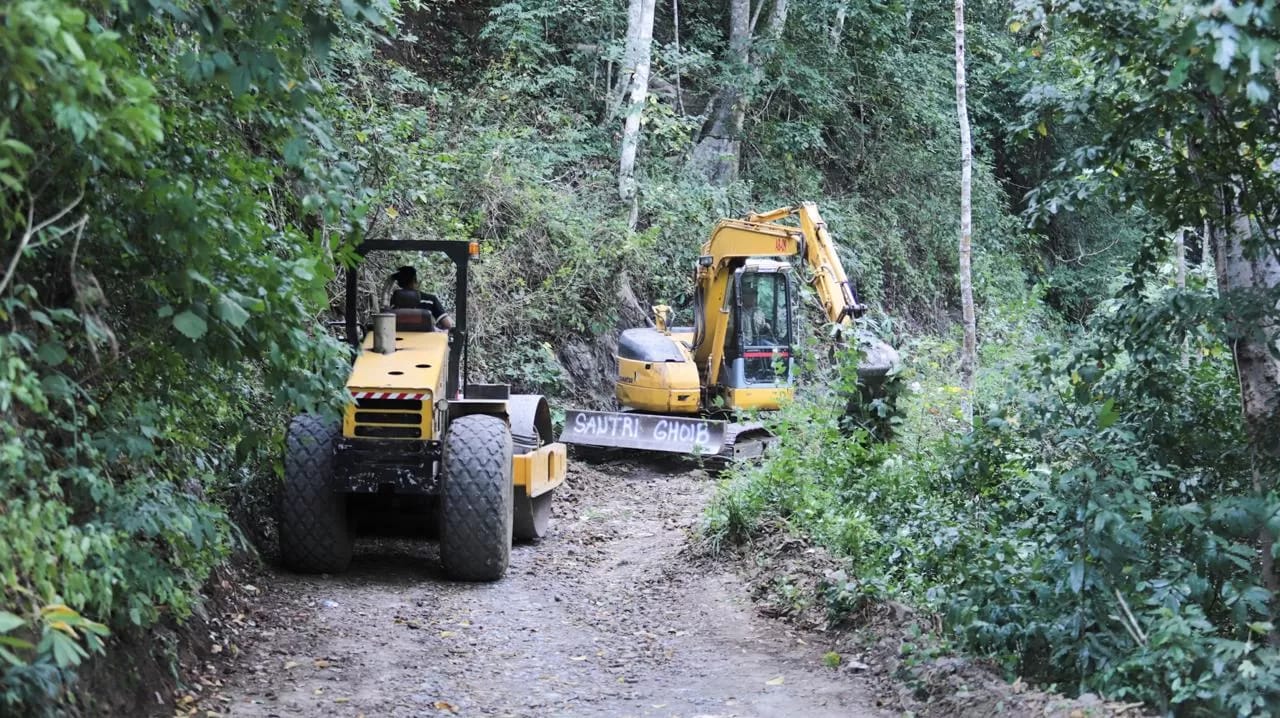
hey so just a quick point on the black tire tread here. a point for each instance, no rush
(315, 533)
(476, 499)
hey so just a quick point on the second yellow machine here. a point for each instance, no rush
(674, 383)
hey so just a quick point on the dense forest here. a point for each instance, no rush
(181, 184)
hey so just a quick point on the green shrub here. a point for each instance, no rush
(168, 226)
(1096, 531)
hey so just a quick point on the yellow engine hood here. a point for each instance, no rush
(419, 364)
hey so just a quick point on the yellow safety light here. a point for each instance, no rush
(474, 248)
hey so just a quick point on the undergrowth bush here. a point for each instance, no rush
(1095, 531)
(168, 225)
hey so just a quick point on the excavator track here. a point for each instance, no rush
(745, 441)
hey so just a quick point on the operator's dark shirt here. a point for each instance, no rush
(432, 303)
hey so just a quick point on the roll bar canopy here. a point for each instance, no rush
(460, 253)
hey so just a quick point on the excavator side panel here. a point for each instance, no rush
(656, 373)
(762, 399)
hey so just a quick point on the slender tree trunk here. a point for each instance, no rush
(640, 39)
(1247, 271)
(675, 28)
(1180, 262)
(1180, 258)
(837, 27)
(761, 52)
(630, 58)
(969, 352)
(718, 150)
(1179, 249)
(608, 78)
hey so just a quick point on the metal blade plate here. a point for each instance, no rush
(650, 432)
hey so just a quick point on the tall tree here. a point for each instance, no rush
(969, 352)
(1180, 272)
(1249, 269)
(1205, 75)
(718, 150)
(636, 65)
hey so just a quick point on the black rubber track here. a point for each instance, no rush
(315, 532)
(476, 499)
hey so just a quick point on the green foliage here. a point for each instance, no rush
(870, 125)
(1102, 528)
(1095, 531)
(61, 632)
(167, 228)
(1193, 77)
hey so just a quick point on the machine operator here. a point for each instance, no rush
(407, 296)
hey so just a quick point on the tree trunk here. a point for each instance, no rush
(969, 352)
(1180, 262)
(1248, 271)
(718, 150)
(675, 29)
(716, 154)
(837, 27)
(618, 91)
(640, 42)
(1180, 257)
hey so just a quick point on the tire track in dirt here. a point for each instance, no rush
(604, 617)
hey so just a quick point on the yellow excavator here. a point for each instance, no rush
(678, 387)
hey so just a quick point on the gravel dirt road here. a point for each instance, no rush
(607, 616)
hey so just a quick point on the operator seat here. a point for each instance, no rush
(406, 299)
(410, 317)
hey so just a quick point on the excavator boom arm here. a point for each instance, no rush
(829, 280)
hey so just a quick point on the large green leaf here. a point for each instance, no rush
(230, 311)
(191, 324)
(9, 621)
(52, 353)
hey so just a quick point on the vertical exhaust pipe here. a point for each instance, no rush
(384, 333)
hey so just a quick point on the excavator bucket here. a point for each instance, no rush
(647, 432)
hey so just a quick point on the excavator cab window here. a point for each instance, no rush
(762, 325)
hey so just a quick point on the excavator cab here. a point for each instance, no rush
(758, 346)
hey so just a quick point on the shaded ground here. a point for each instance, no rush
(604, 617)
